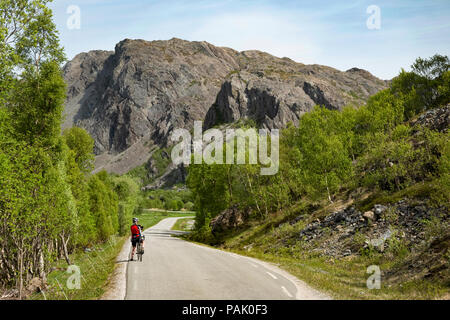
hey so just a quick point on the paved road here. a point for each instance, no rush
(175, 269)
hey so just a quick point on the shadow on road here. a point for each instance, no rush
(122, 261)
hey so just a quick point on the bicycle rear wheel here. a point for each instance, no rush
(139, 252)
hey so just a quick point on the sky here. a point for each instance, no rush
(377, 35)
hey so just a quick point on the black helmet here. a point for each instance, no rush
(135, 220)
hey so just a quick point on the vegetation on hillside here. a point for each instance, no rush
(352, 159)
(331, 151)
(171, 199)
(154, 168)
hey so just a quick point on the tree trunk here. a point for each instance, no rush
(64, 246)
(20, 273)
(42, 266)
(251, 190)
(230, 187)
(328, 190)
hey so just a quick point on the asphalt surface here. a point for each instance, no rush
(174, 269)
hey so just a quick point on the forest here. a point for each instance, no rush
(50, 203)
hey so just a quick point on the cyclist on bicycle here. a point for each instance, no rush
(136, 236)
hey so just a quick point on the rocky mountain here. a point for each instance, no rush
(131, 99)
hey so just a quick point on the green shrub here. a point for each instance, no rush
(189, 206)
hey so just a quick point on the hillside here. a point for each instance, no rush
(361, 194)
(131, 99)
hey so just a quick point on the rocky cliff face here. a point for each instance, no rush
(131, 99)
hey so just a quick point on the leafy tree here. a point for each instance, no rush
(189, 206)
(38, 104)
(443, 182)
(49, 205)
(174, 205)
(422, 89)
(79, 187)
(82, 145)
(396, 160)
(126, 190)
(38, 211)
(28, 39)
(383, 112)
(103, 207)
(209, 186)
(431, 68)
(324, 161)
(443, 89)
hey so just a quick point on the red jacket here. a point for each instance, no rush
(135, 231)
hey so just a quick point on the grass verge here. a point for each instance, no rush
(150, 218)
(347, 279)
(183, 224)
(344, 278)
(92, 270)
(94, 267)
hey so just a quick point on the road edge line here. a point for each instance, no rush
(117, 282)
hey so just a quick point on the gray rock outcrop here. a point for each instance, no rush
(229, 219)
(137, 94)
(435, 119)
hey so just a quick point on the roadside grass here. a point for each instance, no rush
(426, 190)
(183, 225)
(340, 278)
(150, 218)
(346, 279)
(95, 268)
(276, 240)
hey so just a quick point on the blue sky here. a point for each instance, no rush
(332, 33)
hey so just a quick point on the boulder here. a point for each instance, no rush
(369, 215)
(378, 209)
(36, 285)
(229, 219)
(435, 119)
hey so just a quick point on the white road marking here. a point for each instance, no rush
(271, 275)
(253, 265)
(286, 292)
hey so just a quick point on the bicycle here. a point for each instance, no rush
(139, 250)
(139, 247)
